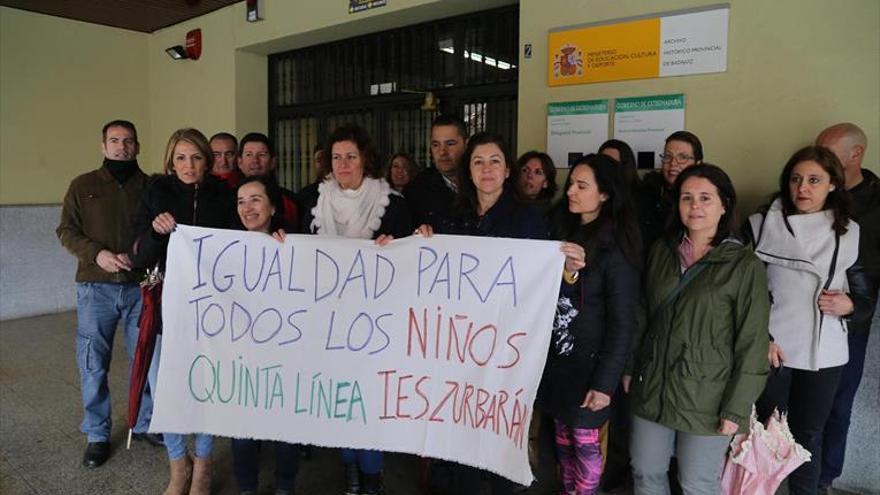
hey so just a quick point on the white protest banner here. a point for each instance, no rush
(427, 346)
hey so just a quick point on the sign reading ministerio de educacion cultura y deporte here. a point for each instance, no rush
(656, 45)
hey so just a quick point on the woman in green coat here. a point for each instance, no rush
(700, 357)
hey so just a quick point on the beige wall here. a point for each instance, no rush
(794, 67)
(62, 79)
(227, 88)
(60, 82)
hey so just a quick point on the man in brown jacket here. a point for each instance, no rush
(96, 228)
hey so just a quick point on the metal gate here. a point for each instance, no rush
(385, 81)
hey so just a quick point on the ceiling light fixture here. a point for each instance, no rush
(176, 52)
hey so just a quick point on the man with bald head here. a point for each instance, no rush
(849, 143)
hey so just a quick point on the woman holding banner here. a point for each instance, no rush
(260, 209)
(594, 323)
(488, 206)
(187, 194)
(355, 201)
(700, 357)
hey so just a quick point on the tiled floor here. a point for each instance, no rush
(41, 446)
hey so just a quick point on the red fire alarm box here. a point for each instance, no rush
(194, 44)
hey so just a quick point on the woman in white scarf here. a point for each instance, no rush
(355, 201)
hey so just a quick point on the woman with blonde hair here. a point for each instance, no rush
(186, 194)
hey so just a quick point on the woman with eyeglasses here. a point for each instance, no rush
(817, 287)
(682, 150)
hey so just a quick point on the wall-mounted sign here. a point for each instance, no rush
(254, 10)
(660, 45)
(575, 128)
(645, 122)
(361, 5)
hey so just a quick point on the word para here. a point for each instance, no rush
(436, 272)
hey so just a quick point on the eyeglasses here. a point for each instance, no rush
(679, 158)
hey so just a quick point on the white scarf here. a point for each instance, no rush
(353, 213)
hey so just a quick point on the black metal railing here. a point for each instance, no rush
(381, 81)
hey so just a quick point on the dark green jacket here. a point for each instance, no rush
(702, 357)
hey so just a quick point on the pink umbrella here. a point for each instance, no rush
(761, 459)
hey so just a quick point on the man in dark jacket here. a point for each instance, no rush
(257, 157)
(96, 228)
(431, 194)
(849, 142)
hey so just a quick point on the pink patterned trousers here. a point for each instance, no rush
(580, 459)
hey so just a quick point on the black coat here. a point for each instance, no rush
(866, 211)
(306, 199)
(396, 221)
(208, 204)
(606, 298)
(654, 204)
(506, 218)
(429, 199)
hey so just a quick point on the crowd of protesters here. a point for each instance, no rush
(772, 312)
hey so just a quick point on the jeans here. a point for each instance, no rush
(175, 443)
(807, 396)
(700, 459)
(246, 463)
(837, 426)
(99, 308)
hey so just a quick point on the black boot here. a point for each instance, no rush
(352, 479)
(373, 484)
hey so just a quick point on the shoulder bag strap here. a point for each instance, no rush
(683, 282)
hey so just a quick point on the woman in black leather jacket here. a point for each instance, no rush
(188, 195)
